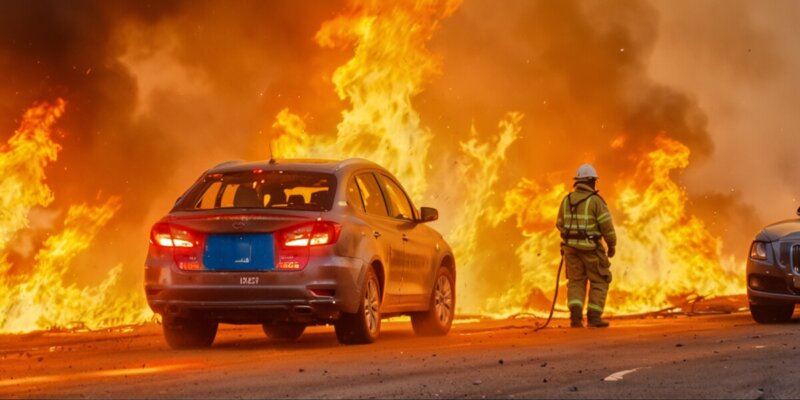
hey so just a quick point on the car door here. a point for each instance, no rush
(417, 245)
(384, 232)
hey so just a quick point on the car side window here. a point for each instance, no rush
(399, 203)
(209, 199)
(354, 195)
(371, 193)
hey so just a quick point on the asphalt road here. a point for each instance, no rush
(722, 356)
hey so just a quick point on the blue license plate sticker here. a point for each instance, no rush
(239, 252)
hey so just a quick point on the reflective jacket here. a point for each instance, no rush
(584, 218)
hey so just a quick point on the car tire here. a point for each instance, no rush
(439, 317)
(184, 333)
(771, 313)
(365, 325)
(284, 332)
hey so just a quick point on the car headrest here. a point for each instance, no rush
(246, 197)
(276, 197)
(296, 199)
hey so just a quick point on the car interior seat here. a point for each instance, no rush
(276, 197)
(246, 197)
(320, 198)
(296, 199)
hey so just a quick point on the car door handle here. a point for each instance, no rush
(405, 237)
(376, 234)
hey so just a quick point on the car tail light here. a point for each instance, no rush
(186, 245)
(317, 233)
(294, 244)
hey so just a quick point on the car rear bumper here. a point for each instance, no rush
(317, 294)
(771, 284)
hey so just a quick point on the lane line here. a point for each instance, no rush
(617, 376)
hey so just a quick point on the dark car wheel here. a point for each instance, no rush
(771, 313)
(287, 332)
(184, 333)
(439, 317)
(365, 325)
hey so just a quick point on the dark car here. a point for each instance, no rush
(293, 243)
(773, 272)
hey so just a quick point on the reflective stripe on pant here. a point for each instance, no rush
(587, 265)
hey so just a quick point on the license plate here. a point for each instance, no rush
(242, 252)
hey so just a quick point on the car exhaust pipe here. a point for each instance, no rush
(303, 310)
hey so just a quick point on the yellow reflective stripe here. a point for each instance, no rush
(580, 216)
(594, 307)
(604, 217)
(586, 209)
(575, 303)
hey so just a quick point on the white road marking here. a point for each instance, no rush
(617, 376)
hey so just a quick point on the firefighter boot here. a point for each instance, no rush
(593, 319)
(575, 317)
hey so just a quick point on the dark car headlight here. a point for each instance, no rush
(758, 250)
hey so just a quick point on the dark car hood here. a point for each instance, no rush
(790, 227)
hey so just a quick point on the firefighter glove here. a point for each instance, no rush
(611, 252)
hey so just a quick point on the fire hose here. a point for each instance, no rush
(555, 295)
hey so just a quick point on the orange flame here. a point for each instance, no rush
(664, 253)
(41, 298)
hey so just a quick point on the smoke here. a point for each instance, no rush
(577, 70)
(157, 92)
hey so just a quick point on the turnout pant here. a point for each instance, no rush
(587, 265)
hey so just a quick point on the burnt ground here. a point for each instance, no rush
(719, 356)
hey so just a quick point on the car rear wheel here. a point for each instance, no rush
(771, 313)
(365, 325)
(286, 332)
(184, 333)
(439, 317)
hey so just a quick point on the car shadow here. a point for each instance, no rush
(309, 341)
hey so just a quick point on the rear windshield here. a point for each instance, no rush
(284, 190)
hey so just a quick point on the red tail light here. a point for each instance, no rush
(317, 233)
(295, 243)
(186, 245)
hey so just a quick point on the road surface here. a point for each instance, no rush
(720, 356)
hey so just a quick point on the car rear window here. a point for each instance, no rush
(287, 190)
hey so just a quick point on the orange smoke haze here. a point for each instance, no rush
(483, 111)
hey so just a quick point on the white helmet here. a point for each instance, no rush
(585, 172)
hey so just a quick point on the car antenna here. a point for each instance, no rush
(271, 158)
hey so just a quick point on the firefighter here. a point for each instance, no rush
(583, 221)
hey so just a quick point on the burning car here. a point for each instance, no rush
(288, 244)
(773, 272)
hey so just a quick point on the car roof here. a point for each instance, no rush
(298, 164)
